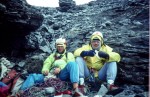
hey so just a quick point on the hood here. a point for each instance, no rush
(97, 35)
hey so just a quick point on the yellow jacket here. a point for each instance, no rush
(95, 62)
(51, 62)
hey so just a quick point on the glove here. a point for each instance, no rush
(103, 55)
(87, 53)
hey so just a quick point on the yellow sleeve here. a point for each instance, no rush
(78, 51)
(48, 63)
(70, 57)
(113, 56)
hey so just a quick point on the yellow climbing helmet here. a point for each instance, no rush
(97, 35)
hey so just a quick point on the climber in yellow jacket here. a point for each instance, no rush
(62, 64)
(99, 59)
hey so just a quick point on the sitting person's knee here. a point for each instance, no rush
(79, 58)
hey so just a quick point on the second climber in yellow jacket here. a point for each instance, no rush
(99, 59)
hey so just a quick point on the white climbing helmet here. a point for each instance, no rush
(61, 42)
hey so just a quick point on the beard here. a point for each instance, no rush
(96, 47)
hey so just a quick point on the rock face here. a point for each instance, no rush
(124, 24)
(66, 5)
(17, 19)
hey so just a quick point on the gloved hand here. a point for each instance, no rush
(87, 53)
(103, 55)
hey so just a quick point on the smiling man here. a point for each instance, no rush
(63, 65)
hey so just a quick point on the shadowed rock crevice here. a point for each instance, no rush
(17, 19)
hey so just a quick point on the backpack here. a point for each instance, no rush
(11, 78)
(3, 90)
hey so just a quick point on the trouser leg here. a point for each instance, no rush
(83, 69)
(108, 71)
(71, 71)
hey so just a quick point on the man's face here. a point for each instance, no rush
(96, 44)
(60, 49)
